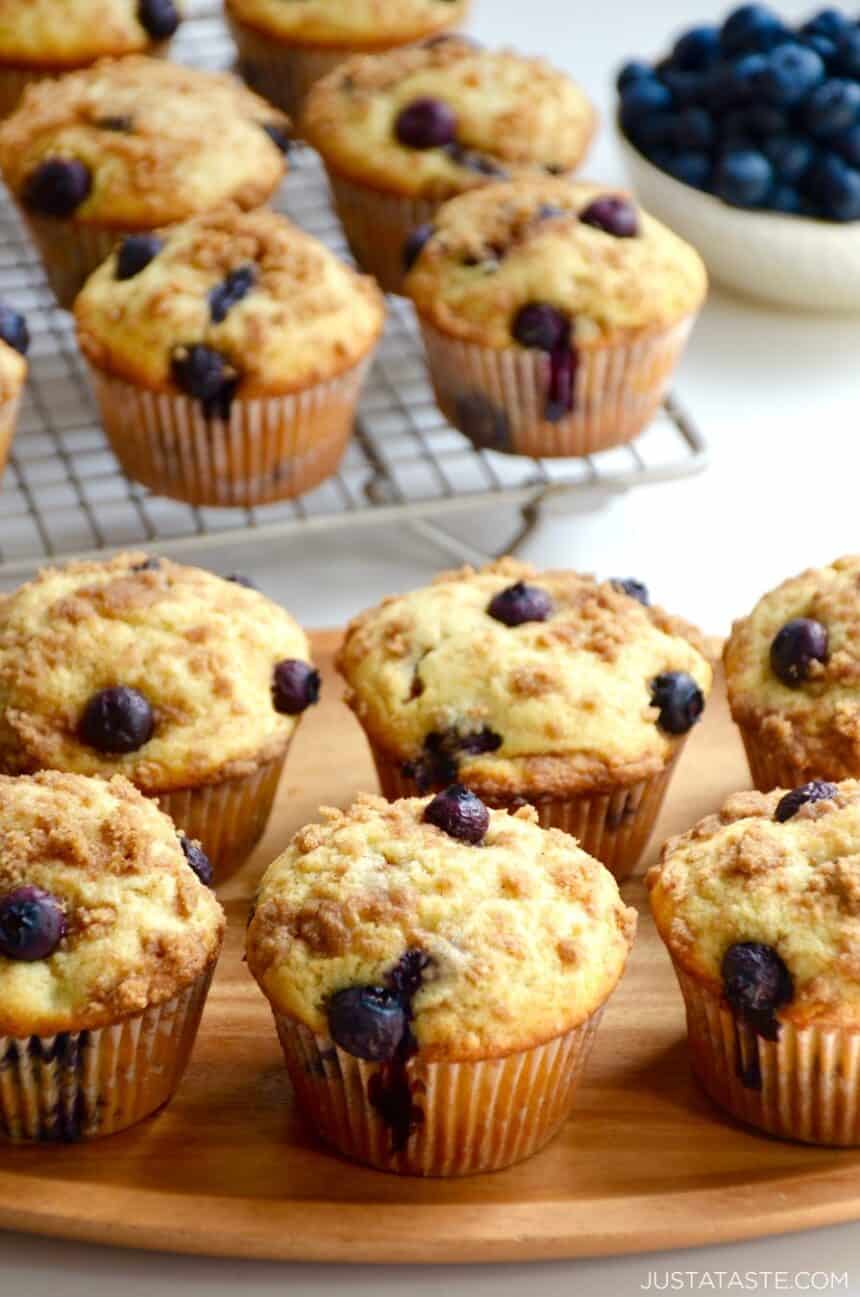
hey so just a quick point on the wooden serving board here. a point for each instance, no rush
(228, 1169)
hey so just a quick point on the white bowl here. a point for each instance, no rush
(792, 260)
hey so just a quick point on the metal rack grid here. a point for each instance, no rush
(64, 493)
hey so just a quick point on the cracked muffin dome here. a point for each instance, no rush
(59, 34)
(781, 871)
(269, 298)
(119, 919)
(518, 938)
(520, 682)
(142, 667)
(444, 118)
(510, 245)
(793, 675)
(138, 142)
(363, 24)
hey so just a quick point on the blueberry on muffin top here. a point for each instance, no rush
(52, 35)
(350, 24)
(447, 117)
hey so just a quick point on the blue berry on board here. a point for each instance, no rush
(799, 644)
(117, 721)
(135, 253)
(426, 124)
(32, 925)
(57, 187)
(816, 791)
(679, 700)
(459, 813)
(743, 177)
(520, 603)
(295, 687)
(13, 329)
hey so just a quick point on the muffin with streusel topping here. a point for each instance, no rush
(553, 314)
(758, 908)
(403, 132)
(189, 685)
(793, 677)
(553, 688)
(228, 355)
(130, 145)
(14, 344)
(44, 38)
(285, 48)
(437, 971)
(108, 942)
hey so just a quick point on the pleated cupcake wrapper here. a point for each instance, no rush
(227, 818)
(8, 421)
(805, 1086)
(377, 225)
(81, 1085)
(270, 448)
(771, 768)
(613, 826)
(70, 252)
(475, 1116)
(281, 73)
(497, 397)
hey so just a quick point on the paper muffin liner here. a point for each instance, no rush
(271, 448)
(613, 826)
(227, 818)
(8, 422)
(376, 226)
(771, 768)
(84, 1084)
(805, 1086)
(467, 1117)
(281, 73)
(497, 396)
(70, 252)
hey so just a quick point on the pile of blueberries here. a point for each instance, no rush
(761, 114)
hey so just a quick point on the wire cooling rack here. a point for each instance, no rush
(64, 492)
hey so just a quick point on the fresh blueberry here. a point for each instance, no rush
(295, 686)
(207, 376)
(416, 241)
(816, 791)
(279, 135)
(786, 199)
(540, 326)
(824, 47)
(847, 145)
(561, 389)
(613, 214)
(224, 296)
(135, 253)
(426, 124)
(756, 983)
(635, 589)
(827, 22)
(791, 72)
(645, 95)
(846, 60)
(630, 72)
(439, 760)
(407, 976)
(520, 603)
(694, 131)
(833, 107)
(790, 155)
(697, 48)
(472, 160)
(679, 700)
(795, 647)
(691, 169)
(57, 187)
(13, 329)
(751, 27)
(197, 859)
(743, 177)
(368, 1022)
(458, 813)
(239, 578)
(725, 86)
(482, 422)
(117, 721)
(158, 18)
(835, 187)
(32, 924)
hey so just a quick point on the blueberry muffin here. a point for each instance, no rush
(228, 355)
(108, 942)
(43, 38)
(128, 146)
(437, 971)
(285, 48)
(14, 343)
(758, 908)
(793, 677)
(189, 685)
(553, 688)
(400, 133)
(553, 314)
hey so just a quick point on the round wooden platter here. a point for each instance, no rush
(228, 1168)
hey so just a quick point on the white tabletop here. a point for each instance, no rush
(776, 395)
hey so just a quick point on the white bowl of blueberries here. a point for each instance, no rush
(745, 140)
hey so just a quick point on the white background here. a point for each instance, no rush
(777, 396)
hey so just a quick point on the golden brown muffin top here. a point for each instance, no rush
(515, 117)
(523, 936)
(139, 927)
(352, 24)
(58, 34)
(301, 316)
(159, 142)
